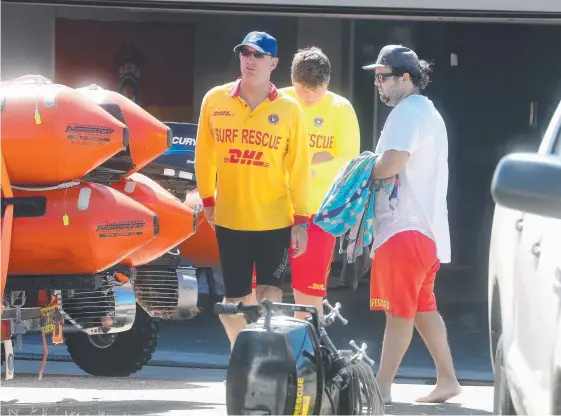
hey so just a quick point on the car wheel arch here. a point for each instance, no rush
(495, 319)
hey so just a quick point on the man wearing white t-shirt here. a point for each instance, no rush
(412, 240)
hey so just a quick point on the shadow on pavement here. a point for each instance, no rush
(78, 382)
(133, 407)
(466, 323)
(397, 408)
(202, 343)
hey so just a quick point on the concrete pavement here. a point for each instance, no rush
(186, 372)
(66, 390)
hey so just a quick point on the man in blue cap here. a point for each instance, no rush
(253, 167)
(411, 242)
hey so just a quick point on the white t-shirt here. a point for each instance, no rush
(415, 126)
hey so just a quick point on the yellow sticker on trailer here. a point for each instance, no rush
(47, 319)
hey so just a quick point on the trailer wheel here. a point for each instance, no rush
(116, 355)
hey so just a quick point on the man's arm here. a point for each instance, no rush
(321, 157)
(299, 165)
(205, 157)
(348, 145)
(390, 164)
(402, 135)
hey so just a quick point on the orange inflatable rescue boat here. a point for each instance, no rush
(52, 133)
(201, 248)
(149, 137)
(175, 218)
(82, 229)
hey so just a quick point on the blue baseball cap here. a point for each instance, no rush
(396, 56)
(261, 42)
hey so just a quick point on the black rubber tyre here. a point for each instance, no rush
(502, 402)
(128, 352)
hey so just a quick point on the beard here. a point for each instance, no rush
(393, 94)
(384, 98)
(389, 100)
(392, 97)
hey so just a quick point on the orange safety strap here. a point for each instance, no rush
(57, 332)
(6, 229)
(45, 355)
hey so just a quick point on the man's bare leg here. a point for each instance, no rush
(433, 332)
(397, 337)
(304, 299)
(233, 324)
(273, 293)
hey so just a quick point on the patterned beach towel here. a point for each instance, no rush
(347, 210)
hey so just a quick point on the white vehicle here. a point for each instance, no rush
(525, 279)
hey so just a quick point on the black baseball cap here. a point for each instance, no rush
(396, 56)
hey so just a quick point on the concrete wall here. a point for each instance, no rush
(28, 39)
(327, 34)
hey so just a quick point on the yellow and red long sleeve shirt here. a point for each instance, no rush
(332, 127)
(254, 166)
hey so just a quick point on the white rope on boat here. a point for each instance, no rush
(64, 185)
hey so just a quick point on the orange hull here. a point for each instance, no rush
(6, 228)
(201, 248)
(175, 218)
(103, 227)
(51, 133)
(149, 137)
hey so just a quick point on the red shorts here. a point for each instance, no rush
(311, 270)
(402, 275)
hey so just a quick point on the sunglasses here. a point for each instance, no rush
(380, 78)
(257, 55)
